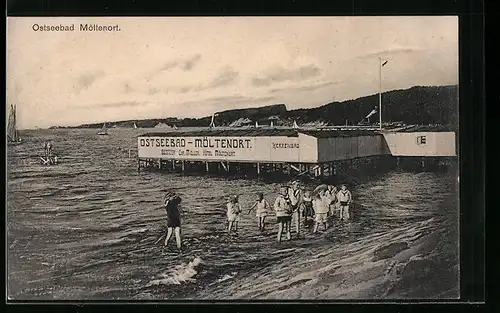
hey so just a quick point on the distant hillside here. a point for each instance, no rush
(417, 105)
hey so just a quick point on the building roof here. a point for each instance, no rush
(332, 133)
(423, 128)
(216, 132)
(289, 132)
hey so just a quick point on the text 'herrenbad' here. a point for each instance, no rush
(72, 28)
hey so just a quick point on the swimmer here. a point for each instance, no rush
(48, 148)
(283, 209)
(262, 210)
(331, 194)
(344, 197)
(295, 195)
(233, 213)
(307, 210)
(320, 210)
(171, 202)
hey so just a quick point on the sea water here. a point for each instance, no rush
(86, 230)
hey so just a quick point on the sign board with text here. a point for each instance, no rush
(253, 149)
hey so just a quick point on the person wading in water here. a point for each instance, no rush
(50, 158)
(344, 198)
(283, 209)
(331, 194)
(171, 202)
(262, 210)
(306, 207)
(295, 195)
(320, 210)
(233, 213)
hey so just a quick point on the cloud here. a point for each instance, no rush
(190, 63)
(181, 63)
(127, 88)
(392, 51)
(227, 76)
(280, 74)
(112, 105)
(184, 89)
(239, 99)
(305, 88)
(86, 80)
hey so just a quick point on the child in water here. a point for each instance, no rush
(283, 209)
(321, 211)
(331, 194)
(171, 202)
(262, 210)
(307, 210)
(233, 213)
(295, 196)
(344, 198)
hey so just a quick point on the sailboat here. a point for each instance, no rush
(135, 125)
(104, 130)
(12, 135)
(212, 123)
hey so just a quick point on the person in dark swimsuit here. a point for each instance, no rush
(171, 202)
(306, 207)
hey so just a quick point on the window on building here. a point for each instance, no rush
(421, 140)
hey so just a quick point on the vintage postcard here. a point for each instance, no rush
(232, 158)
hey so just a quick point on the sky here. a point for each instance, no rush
(196, 66)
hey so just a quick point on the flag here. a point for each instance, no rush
(384, 63)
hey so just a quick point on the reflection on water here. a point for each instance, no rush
(85, 229)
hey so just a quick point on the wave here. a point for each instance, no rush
(226, 277)
(183, 273)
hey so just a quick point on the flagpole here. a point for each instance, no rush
(380, 94)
